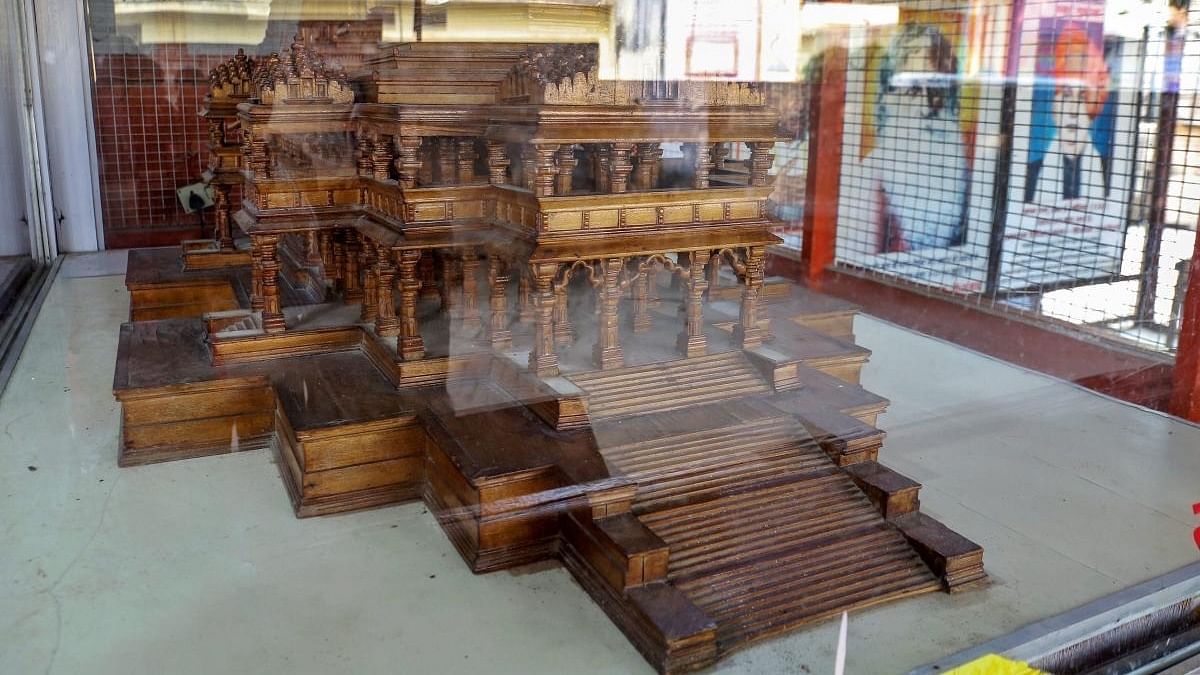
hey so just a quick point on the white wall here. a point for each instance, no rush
(70, 133)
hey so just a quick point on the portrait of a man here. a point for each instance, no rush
(1071, 167)
(918, 162)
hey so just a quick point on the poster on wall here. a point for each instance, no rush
(911, 149)
(1069, 191)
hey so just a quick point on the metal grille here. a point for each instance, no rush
(150, 70)
(150, 138)
(1021, 159)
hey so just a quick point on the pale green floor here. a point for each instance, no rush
(200, 567)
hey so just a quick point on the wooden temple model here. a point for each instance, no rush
(482, 276)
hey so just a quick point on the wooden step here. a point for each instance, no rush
(661, 387)
(767, 559)
(676, 469)
(764, 530)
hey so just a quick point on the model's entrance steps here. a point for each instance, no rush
(668, 386)
(765, 532)
(705, 464)
(751, 525)
(774, 557)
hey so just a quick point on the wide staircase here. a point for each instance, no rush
(764, 530)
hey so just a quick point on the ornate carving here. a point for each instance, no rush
(471, 322)
(386, 323)
(566, 162)
(256, 275)
(760, 162)
(366, 152)
(466, 160)
(370, 301)
(702, 163)
(221, 225)
(410, 344)
(640, 308)
(619, 167)
(268, 261)
(569, 75)
(497, 159)
(543, 362)
(564, 333)
(691, 340)
(381, 157)
(747, 333)
(408, 160)
(544, 169)
(300, 77)
(351, 288)
(649, 157)
(607, 353)
(499, 335)
(232, 80)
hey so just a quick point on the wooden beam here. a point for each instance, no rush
(823, 181)
(1185, 386)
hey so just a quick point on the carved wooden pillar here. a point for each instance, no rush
(607, 353)
(619, 167)
(221, 217)
(466, 160)
(325, 247)
(563, 332)
(366, 167)
(410, 344)
(370, 302)
(649, 156)
(338, 271)
(381, 157)
(499, 335)
(524, 298)
(447, 157)
(544, 169)
(272, 315)
(702, 163)
(714, 273)
(640, 312)
(256, 275)
(747, 333)
(528, 166)
(351, 290)
(255, 153)
(543, 362)
(216, 133)
(386, 323)
(720, 154)
(760, 162)
(691, 340)
(566, 166)
(408, 160)
(450, 289)
(497, 160)
(471, 321)
(603, 155)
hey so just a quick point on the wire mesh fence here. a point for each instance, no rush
(1023, 158)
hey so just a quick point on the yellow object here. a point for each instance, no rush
(993, 664)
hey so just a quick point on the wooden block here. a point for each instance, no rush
(958, 561)
(892, 493)
(353, 444)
